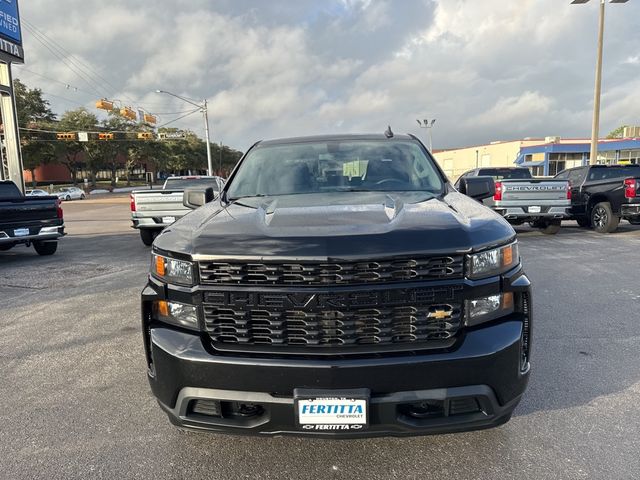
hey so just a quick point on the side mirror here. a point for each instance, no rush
(478, 188)
(194, 198)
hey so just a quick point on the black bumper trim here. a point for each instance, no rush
(386, 418)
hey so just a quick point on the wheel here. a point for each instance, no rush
(603, 219)
(584, 222)
(6, 246)
(67, 198)
(550, 227)
(82, 196)
(148, 236)
(46, 248)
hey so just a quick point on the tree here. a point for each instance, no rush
(73, 121)
(35, 153)
(151, 153)
(114, 151)
(30, 106)
(618, 132)
(33, 112)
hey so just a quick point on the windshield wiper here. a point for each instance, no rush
(257, 195)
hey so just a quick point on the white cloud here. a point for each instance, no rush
(485, 70)
(519, 110)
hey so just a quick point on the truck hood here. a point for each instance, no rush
(367, 224)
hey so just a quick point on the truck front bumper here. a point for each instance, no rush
(475, 385)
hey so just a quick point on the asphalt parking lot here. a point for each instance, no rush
(76, 402)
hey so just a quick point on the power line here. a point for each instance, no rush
(74, 102)
(67, 85)
(86, 68)
(89, 74)
(69, 65)
(179, 118)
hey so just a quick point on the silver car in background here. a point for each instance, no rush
(36, 192)
(70, 193)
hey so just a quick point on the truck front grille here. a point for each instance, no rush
(330, 273)
(334, 321)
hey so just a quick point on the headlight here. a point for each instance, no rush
(489, 308)
(175, 313)
(171, 270)
(493, 262)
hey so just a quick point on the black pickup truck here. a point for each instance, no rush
(601, 195)
(33, 221)
(338, 286)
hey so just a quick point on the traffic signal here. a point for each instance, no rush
(148, 118)
(104, 104)
(105, 136)
(127, 112)
(69, 136)
(145, 136)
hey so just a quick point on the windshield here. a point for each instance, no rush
(182, 183)
(505, 173)
(335, 166)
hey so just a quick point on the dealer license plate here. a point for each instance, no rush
(168, 219)
(21, 232)
(333, 411)
(534, 209)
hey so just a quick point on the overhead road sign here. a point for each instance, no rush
(172, 136)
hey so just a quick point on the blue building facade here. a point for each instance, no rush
(551, 158)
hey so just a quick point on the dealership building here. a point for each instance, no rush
(543, 156)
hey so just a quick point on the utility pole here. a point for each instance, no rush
(220, 167)
(595, 125)
(428, 125)
(203, 109)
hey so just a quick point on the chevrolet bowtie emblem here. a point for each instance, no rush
(439, 314)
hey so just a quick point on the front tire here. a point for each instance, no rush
(148, 236)
(603, 219)
(82, 197)
(46, 248)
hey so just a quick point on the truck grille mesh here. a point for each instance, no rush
(351, 321)
(330, 273)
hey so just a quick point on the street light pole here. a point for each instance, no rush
(428, 125)
(206, 135)
(204, 109)
(595, 125)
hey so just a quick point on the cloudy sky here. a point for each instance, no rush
(486, 70)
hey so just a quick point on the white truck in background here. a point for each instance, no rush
(153, 210)
(520, 198)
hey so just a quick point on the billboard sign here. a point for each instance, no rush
(10, 31)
